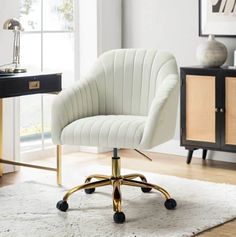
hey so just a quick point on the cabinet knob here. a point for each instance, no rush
(216, 110)
(222, 110)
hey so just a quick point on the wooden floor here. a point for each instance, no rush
(81, 163)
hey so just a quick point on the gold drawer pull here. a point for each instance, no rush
(34, 85)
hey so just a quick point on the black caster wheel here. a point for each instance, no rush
(62, 205)
(170, 204)
(90, 190)
(146, 190)
(119, 217)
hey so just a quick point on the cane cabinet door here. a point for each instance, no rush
(199, 110)
(229, 131)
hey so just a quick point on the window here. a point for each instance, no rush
(47, 44)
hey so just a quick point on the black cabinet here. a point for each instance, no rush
(208, 109)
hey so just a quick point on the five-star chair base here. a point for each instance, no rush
(116, 180)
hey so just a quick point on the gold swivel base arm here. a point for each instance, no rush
(116, 180)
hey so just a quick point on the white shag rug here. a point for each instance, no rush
(28, 209)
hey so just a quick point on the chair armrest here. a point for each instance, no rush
(78, 101)
(161, 121)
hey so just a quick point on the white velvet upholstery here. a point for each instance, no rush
(128, 100)
(105, 131)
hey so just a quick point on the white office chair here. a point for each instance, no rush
(128, 100)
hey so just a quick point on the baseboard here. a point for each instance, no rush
(49, 152)
(94, 149)
(173, 147)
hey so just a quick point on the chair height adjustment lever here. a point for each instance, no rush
(141, 153)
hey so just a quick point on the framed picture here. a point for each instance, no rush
(217, 17)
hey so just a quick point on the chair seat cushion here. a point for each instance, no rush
(112, 131)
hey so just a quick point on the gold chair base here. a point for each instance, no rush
(116, 180)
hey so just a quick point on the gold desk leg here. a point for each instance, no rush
(59, 164)
(1, 135)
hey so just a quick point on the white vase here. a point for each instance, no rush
(211, 53)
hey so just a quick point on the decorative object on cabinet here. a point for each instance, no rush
(217, 17)
(208, 109)
(211, 53)
(15, 25)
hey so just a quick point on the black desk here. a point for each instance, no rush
(12, 85)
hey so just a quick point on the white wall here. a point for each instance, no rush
(99, 29)
(167, 25)
(109, 25)
(87, 34)
(173, 26)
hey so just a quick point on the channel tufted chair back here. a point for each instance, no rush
(127, 80)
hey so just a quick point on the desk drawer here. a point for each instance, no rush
(16, 86)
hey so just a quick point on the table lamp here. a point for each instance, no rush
(15, 25)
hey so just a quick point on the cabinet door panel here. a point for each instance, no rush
(230, 110)
(200, 108)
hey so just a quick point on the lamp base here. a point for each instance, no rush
(15, 70)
